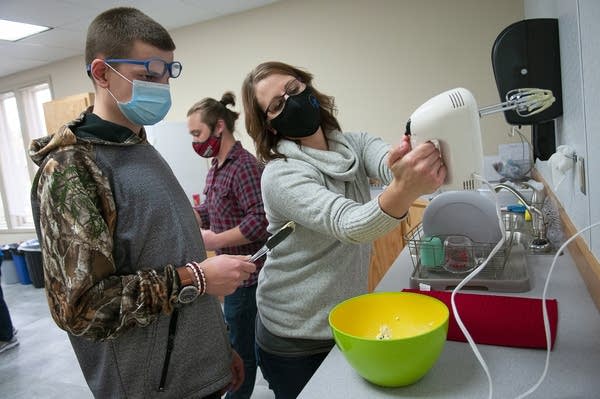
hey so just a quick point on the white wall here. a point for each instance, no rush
(189, 168)
(579, 34)
(67, 77)
(381, 59)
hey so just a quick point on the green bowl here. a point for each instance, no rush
(391, 339)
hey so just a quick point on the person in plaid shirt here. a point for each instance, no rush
(232, 217)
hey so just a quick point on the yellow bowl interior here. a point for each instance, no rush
(404, 314)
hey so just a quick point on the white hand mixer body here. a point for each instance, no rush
(451, 121)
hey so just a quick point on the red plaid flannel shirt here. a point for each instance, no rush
(233, 198)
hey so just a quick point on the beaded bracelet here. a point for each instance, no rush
(197, 277)
(203, 281)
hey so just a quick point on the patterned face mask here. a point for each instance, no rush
(208, 148)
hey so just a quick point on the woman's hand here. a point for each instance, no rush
(420, 170)
(416, 172)
(398, 151)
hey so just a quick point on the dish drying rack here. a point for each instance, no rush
(499, 274)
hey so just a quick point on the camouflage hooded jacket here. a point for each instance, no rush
(113, 224)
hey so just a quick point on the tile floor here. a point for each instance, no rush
(43, 365)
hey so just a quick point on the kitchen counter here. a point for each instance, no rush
(574, 370)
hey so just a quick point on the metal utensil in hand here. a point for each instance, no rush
(274, 240)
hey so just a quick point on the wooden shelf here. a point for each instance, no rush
(63, 110)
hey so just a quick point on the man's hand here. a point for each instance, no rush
(237, 370)
(210, 239)
(224, 273)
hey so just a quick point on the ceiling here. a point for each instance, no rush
(69, 20)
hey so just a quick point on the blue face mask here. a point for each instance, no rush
(149, 102)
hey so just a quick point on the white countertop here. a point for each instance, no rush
(574, 370)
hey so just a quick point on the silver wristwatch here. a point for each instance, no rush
(188, 294)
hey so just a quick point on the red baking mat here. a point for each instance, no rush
(499, 320)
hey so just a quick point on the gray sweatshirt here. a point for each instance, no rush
(325, 260)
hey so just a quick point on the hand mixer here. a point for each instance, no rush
(451, 121)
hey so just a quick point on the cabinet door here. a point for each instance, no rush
(387, 248)
(415, 213)
(63, 110)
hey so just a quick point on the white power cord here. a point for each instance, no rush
(545, 310)
(468, 278)
(474, 273)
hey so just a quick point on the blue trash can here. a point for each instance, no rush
(20, 264)
(33, 258)
(9, 270)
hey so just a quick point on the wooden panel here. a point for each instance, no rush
(387, 248)
(415, 213)
(63, 110)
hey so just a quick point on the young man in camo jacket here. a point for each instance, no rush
(125, 268)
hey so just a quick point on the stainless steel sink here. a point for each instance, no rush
(522, 233)
(518, 238)
(539, 224)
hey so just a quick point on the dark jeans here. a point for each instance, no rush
(286, 375)
(240, 315)
(6, 327)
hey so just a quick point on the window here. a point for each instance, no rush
(21, 120)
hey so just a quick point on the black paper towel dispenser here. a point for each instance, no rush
(526, 54)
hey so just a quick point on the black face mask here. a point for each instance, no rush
(300, 117)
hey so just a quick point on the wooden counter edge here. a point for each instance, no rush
(584, 259)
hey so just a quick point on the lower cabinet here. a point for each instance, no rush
(387, 248)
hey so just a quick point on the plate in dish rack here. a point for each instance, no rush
(465, 213)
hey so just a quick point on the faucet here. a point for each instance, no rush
(538, 197)
(540, 242)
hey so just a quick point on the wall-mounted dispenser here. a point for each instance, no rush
(526, 54)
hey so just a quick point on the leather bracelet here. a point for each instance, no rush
(185, 277)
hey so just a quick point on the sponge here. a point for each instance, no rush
(431, 252)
